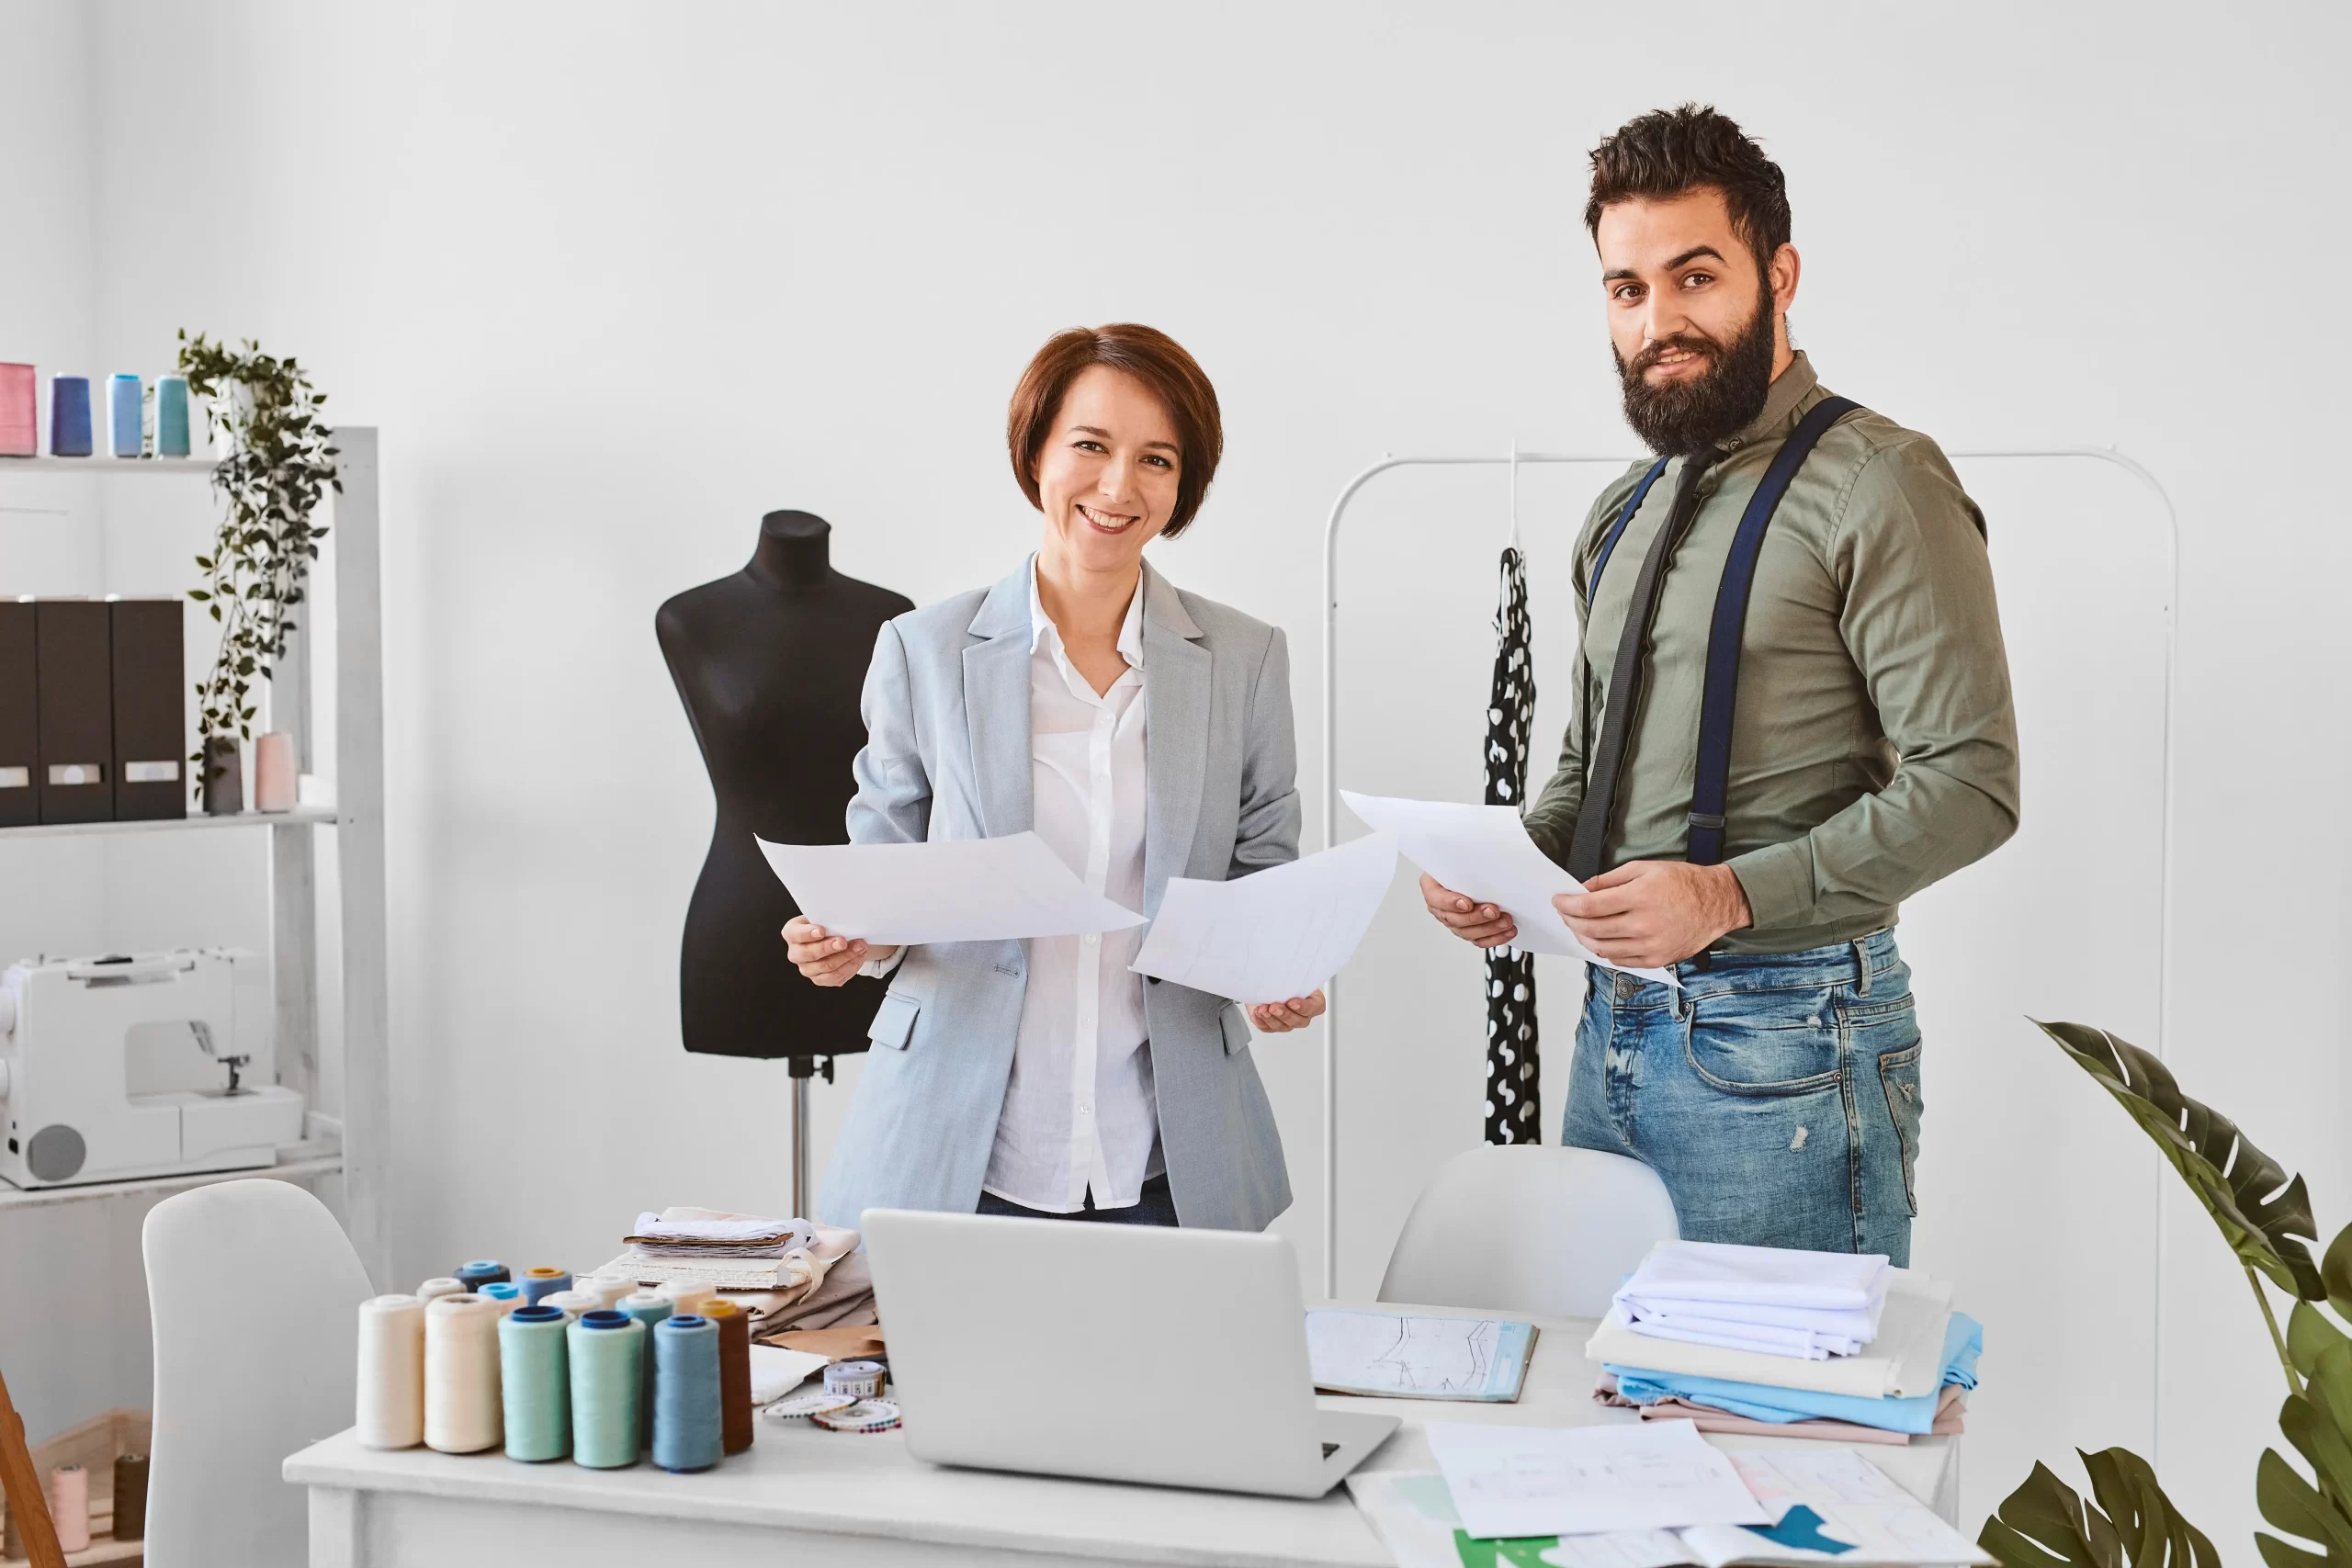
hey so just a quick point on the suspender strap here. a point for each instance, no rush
(1720, 696)
(1632, 504)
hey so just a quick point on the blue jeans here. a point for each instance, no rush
(1777, 1096)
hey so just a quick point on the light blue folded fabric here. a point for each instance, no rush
(1963, 1342)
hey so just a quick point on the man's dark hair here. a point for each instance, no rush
(1668, 151)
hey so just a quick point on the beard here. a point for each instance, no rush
(1684, 415)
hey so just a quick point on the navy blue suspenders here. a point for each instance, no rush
(1718, 699)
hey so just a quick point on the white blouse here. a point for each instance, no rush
(1079, 1114)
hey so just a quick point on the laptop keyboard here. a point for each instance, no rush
(1330, 1449)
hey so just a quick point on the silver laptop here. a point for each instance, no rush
(1122, 1352)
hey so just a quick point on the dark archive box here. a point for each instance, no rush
(149, 714)
(74, 661)
(19, 717)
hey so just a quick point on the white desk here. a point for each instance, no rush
(804, 1495)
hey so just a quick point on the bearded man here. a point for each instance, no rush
(1792, 713)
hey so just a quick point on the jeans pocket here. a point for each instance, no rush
(1898, 1076)
(1764, 1044)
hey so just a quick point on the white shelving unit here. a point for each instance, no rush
(355, 1140)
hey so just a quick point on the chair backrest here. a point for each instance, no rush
(254, 1292)
(1528, 1227)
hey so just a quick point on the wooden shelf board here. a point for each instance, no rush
(315, 815)
(297, 1162)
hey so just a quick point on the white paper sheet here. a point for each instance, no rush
(1857, 1502)
(1415, 1517)
(1484, 853)
(1274, 935)
(1521, 1481)
(1399, 1356)
(967, 890)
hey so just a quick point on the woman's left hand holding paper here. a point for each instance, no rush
(825, 958)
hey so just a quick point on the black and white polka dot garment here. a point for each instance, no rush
(1514, 1105)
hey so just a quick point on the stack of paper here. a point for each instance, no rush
(1770, 1300)
(1395, 1356)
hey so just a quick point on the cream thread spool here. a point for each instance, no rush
(392, 1372)
(433, 1290)
(686, 1299)
(609, 1290)
(572, 1303)
(463, 1412)
(69, 1507)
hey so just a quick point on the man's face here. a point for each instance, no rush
(1693, 322)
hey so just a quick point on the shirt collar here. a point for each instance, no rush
(1788, 390)
(1041, 626)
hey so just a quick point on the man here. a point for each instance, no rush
(1786, 725)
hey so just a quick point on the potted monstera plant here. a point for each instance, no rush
(278, 464)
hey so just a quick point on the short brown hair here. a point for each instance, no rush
(1150, 356)
(1668, 152)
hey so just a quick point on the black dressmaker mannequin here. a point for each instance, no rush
(769, 662)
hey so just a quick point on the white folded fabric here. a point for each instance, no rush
(713, 1232)
(1859, 1323)
(1771, 1301)
(1906, 1361)
(1764, 1339)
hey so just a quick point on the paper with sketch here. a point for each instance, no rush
(1413, 1513)
(1274, 935)
(1390, 1355)
(964, 890)
(1484, 853)
(1849, 1509)
(1520, 1481)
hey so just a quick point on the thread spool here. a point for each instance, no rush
(607, 1354)
(479, 1272)
(392, 1372)
(69, 1506)
(274, 771)
(130, 1496)
(543, 1281)
(609, 1292)
(462, 1413)
(125, 415)
(435, 1289)
(535, 1382)
(20, 411)
(68, 416)
(171, 416)
(734, 1373)
(649, 1308)
(685, 1298)
(506, 1293)
(572, 1303)
(687, 1432)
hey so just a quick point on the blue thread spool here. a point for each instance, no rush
(68, 416)
(506, 1293)
(686, 1426)
(535, 1375)
(171, 417)
(538, 1283)
(482, 1271)
(649, 1308)
(607, 1352)
(124, 400)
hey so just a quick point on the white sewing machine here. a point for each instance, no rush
(152, 1064)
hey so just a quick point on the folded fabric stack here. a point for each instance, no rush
(1911, 1350)
(725, 1251)
(707, 1233)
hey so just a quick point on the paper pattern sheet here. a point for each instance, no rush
(1525, 1481)
(1392, 1356)
(1274, 935)
(1484, 853)
(963, 890)
(1857, 1505)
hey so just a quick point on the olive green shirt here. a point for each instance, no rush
(1873, 745)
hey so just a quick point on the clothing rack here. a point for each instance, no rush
(2171, 540)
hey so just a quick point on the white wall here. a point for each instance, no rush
(615, 280)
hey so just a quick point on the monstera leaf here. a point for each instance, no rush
(2044, 1524)
(2318, 1422)
(2266, 1218)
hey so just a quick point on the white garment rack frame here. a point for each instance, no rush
(1515, 459)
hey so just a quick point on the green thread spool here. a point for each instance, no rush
(608, 1360)
(649, 1308)
(535, 1376)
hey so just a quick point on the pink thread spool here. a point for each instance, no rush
(273, 783)
(19, 421)
(69, 1507)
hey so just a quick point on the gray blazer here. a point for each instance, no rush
(946, 757)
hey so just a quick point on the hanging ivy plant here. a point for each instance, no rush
(279, 464)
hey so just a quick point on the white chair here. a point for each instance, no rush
(1528, 1227)
(254, 1292)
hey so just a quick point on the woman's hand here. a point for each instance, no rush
(1281, 1017)
(1482, 925)
(827, 959)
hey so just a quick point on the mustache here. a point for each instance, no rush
(1687, 343)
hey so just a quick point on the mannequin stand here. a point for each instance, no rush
(803, 1069)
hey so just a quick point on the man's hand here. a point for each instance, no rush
(1483, 925)
(1649, 913)
(1281, 1017)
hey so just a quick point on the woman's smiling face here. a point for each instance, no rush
(1107, 475)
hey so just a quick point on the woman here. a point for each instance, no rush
(1144, 733)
